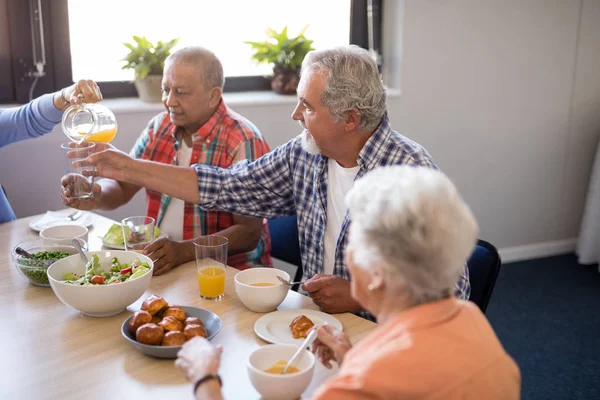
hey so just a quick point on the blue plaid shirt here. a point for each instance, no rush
(291, 181)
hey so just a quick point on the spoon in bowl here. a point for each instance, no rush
(77, 246)
(312, 335)
(286, 282)
(24, 253)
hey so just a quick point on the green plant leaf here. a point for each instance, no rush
(280, 50)
(146, 58)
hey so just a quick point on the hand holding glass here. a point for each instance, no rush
(79, 185)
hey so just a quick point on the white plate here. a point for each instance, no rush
(54, 218)
(274, 327)
(112, 246)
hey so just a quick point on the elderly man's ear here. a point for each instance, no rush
(352, 120)
(215, 96)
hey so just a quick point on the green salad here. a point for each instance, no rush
(96, 275)
(115, 234)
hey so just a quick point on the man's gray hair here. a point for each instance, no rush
(413, 222)
(205, 60)
(352, 82)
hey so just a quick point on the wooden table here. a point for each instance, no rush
(51, 351)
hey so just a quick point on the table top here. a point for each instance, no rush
(52, 351)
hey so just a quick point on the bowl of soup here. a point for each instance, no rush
(264, 370)
(260, 290)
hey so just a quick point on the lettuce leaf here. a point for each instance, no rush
(115, 234)
(93, 267)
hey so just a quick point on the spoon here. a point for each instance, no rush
(282, 280)
(22, 252)
(307, 342)
(77, 246)
(74, 215)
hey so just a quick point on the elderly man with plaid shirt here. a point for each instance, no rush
(342, 108)
(196, 128)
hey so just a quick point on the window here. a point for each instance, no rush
(84, 39)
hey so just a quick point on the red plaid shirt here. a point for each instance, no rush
(223, 140)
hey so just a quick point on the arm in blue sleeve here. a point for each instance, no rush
(261, 189)
(31, 120)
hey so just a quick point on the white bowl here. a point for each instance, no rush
(63, 234)
(101, 300)
(277, 386)
(261, 298)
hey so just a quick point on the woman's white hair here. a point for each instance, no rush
(413, 222)
(352, 82)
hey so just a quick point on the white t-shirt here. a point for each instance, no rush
(172, 221)
(339, 182)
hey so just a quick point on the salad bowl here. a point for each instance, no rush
(77, 285)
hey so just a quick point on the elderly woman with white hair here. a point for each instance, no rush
(410, 236)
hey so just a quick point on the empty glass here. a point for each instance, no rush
(137, 231)
(211, 263)
(79, 184)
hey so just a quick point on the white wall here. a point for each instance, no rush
(505, 95)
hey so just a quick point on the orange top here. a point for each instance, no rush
(441, 350)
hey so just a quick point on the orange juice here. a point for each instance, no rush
(211, 281)
(104, 136)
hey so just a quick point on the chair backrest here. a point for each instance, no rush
(284, 241)
(484, 266)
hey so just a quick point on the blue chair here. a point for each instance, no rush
(484, 266)
(284, 243)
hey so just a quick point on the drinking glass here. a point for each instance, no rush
(80, 186)
(137, 231)
(211, 262)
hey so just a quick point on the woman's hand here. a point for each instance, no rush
(88, 89)
(198, 358)
(330, 345)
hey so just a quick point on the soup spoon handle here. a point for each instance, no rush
(307, 342)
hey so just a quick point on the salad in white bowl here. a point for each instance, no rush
(96, 275)
(98, 288)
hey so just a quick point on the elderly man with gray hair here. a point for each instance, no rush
(410, 236)
(346, 133)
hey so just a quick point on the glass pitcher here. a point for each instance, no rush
(90, 122)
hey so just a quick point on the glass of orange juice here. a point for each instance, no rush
(211, 262)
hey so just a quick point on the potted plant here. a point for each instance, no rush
(285, 55)
(148, 60)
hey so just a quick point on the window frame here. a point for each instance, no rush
(16, 59)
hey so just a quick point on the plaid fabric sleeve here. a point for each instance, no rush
(140, 148)
(262, 189)
(462, 289)
(250, 150)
